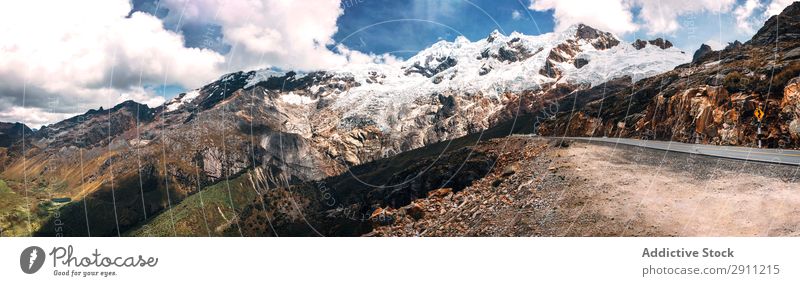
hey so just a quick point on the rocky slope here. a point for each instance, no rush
(12, 132)
(591, 189)
(711, 100)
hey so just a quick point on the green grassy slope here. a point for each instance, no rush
(205, 213)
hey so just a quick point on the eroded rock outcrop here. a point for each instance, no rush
(701, 52)
(658, 42)
(790, 107)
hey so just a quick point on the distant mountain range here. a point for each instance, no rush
(251, 134)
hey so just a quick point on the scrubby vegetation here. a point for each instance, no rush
(206, 213)
(4, 187)
(736, 81)
(787, 73)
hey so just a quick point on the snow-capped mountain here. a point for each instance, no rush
(579, 56)
(361, 112)
(301, 127)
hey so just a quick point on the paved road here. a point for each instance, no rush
(776, 156)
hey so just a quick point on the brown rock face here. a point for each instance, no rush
(661, 43)
(787, 23)
(658, 42)
(710, 101)
(600, 40)
(705, 114)
(791, 97)
(790, 106)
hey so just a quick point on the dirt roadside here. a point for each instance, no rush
(676, 194)
(541, 188)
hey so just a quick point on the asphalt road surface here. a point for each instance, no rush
(775, 156)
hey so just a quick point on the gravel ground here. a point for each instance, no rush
(541, 188)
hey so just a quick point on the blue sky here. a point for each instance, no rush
(414, 25)
(429, 21)
(403, 27)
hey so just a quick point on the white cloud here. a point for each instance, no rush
(654, 16)
(753, 13)
(63, 51)
(359, 58)
(775, 7)
(60, 54)
(607, 15)
(715, 45)
(661, 17)
(33, 117)
(287, 34)
(140, 95)
(516, 15)
(743, 14)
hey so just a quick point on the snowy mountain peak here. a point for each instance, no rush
(482, 70)
(586, 32)
(461, 40)
(493, 35)
(582, 34)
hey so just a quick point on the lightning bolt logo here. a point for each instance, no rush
(31, 259)
(34, 255)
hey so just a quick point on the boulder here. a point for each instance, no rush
(791, 98)
(440, 193)
(415, 211)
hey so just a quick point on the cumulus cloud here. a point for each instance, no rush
(743, 14)
(753, 13)
(358, 58)
(286, 34)
(661, 17)
(715, 45)
(62, 58)
(654, 16)
(33, 117)
(608, 15)
(775, 7)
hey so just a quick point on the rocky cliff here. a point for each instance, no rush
(710, 101)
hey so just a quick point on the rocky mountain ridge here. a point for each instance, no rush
(711, 100)
(302, 127)
(10, 133)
